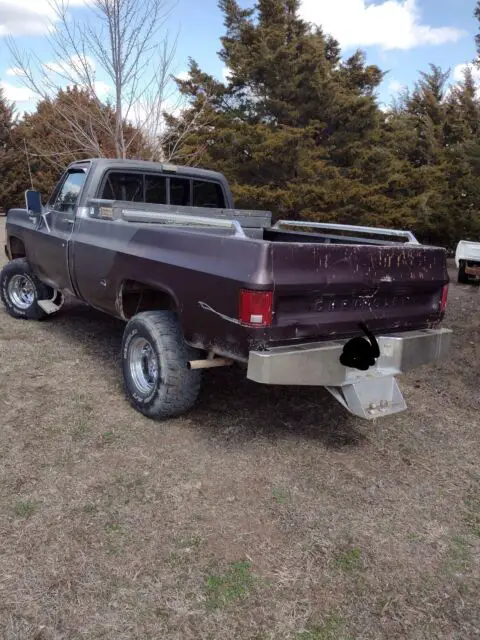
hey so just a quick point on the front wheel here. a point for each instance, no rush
(20, 290)
(154, 359)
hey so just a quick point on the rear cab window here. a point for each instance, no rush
(151, 188)
(208, 194)
(155, 189)
(123, 186)
(180, 192)
(129, 186)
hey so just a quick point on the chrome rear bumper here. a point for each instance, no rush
(318, 364)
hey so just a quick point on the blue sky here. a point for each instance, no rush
(401, 36)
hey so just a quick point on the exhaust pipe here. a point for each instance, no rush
(209, 363)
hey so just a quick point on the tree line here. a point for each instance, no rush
(295, 126)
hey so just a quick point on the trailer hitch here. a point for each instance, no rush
(369, 397)
(360, 353)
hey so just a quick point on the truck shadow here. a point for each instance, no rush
(236, 409)
(231, 408)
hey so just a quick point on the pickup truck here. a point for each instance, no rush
(467, 259)
(201, 284)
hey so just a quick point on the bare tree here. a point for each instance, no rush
(126, 40)
(172, 143)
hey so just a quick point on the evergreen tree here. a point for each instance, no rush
(433, 130)
(477, 16)
(11, 158)
(427, 106)
(295, 129)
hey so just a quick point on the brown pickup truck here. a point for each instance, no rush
(202, 284)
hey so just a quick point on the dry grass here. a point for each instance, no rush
(265, 513)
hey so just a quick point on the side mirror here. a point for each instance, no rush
(33, 201)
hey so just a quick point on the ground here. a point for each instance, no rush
(266, 513)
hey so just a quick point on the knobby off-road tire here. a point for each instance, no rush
(154, 360)
(20, 291)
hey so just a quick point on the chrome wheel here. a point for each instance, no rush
(21, 291)
(143, 363)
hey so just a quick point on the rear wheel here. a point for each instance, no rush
(20, 290)
(154, 358)
(463, 278)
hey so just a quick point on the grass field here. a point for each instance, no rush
(265, 513)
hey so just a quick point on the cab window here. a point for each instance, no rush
(66, 197)
(155, 189)
(123, 186)
(135, 187)
(208, 194)
(180, 192)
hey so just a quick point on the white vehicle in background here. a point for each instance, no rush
(467, 260)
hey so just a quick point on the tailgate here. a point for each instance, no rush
(323, 291)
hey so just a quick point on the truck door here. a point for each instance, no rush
(99, 243)
(49, 251)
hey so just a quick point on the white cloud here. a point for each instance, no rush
(226, 74)
(28, 17)
(67, 71)
(56, 67)
(65, 74)
(67, 67)
(150, 116)
(460, 69)
(16, 94)
(389, 24)
(184, 75)
(395, 86)
(102, 89)
(16, 72)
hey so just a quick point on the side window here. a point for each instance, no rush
(66, 197)
(208, 194)
(180, 191)
(155, 189)
(123, 186)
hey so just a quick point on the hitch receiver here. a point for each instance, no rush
(370, 398)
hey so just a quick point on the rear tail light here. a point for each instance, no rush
(444, 298)
(255, 308)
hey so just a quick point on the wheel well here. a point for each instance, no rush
(136, 297)
(17, 248)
